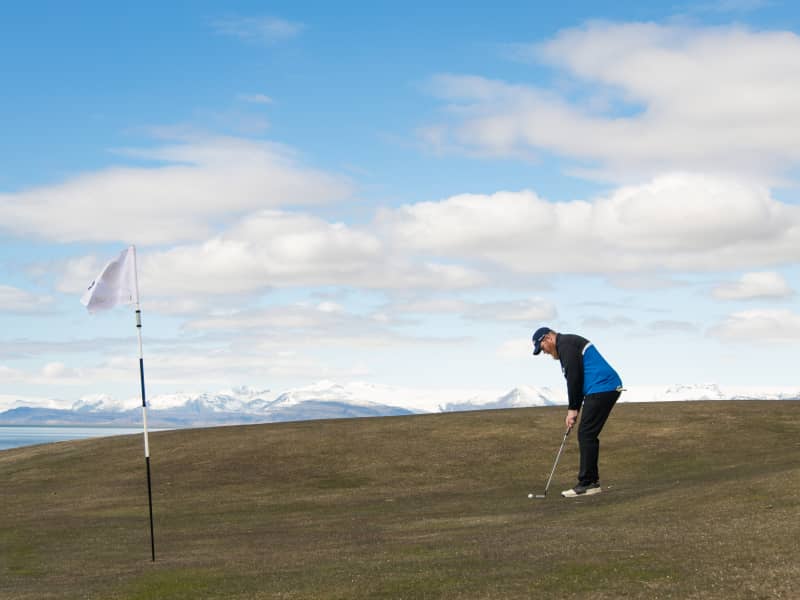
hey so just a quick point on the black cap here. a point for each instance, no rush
(537, 339)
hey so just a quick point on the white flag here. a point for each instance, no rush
(116, 284)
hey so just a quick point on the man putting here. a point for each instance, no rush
(591, 382)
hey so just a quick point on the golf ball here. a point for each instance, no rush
(530, 495)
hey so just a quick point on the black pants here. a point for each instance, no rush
(596, 408)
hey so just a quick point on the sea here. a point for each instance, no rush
(16, 436)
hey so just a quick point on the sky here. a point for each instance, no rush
(398, 194)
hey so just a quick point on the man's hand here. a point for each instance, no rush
(572, 416)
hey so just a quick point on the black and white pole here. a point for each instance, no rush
(144, 408)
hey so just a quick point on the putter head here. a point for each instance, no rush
(540, 496)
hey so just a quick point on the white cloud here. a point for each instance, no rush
(295, 330)
(255, 98)
(278, 249)
(330, 307)
(265, 30)
(676, 222)
(615, 322)
(203, 185)
(673, 326)
(526, 311)
(759, 326)
(280, 319)
(57, 373)
(762, 284)
(641, 99)
(428, 306)
(272, 248)
(15, 300)
(468, 223)
(57, 370)
(10, 375)
(529, 310)
(643, 281)
(198, 365)
(517, 349)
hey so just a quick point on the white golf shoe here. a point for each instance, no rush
(582, 490)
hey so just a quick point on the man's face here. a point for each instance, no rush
(548, 345)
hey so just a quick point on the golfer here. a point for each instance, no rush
(591, 382)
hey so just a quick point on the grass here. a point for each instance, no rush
(701, 501)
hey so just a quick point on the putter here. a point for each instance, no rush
(555, 464)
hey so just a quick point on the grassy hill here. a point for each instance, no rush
(702, 501)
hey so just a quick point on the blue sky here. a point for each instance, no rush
(398, 195)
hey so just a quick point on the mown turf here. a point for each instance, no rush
(701, 501)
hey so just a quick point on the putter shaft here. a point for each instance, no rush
(555, 464)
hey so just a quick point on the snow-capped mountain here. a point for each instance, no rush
(706, 391)
(519, 397)
(326, 400)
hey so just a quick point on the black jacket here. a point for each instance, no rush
(570, 354)
(586, 371)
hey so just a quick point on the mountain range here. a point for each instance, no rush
(328, 400)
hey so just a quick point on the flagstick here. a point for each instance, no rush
(144, 407)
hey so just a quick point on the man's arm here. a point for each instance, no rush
(572, 366)
(570, 353)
